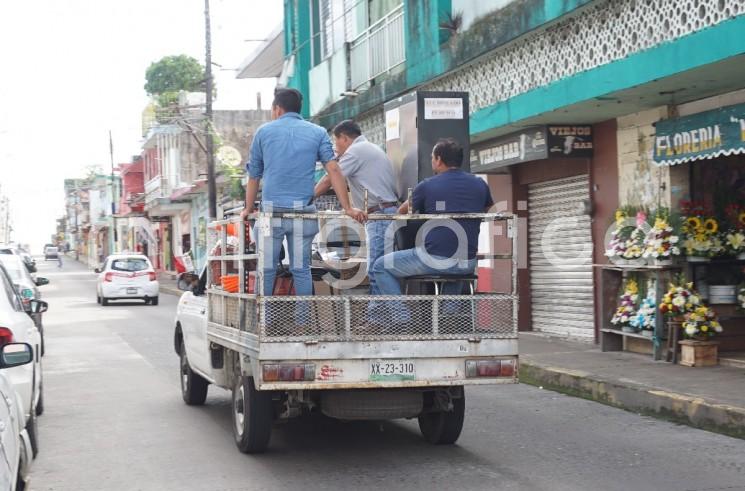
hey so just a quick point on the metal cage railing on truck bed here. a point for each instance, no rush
(235, 274)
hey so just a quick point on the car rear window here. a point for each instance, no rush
(129, 264)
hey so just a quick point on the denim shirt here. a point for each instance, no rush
(283, 154)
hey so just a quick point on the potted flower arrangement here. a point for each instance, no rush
(679, 300)
(627, 309)
(661, 243)
(627, 238)
(699, 326)
(700, 229)
(644, 319)
(734, 237)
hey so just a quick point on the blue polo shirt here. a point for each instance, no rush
(283, 154)
(453, 191)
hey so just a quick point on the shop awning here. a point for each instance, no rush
(267, 59)
(701, 136)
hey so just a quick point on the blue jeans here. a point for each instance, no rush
(299, 234)
(378, 244)
(390, 269)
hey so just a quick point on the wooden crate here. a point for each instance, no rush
(699, 353)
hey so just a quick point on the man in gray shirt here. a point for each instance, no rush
(366, 167)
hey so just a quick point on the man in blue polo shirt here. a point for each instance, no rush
(449, 246)
(283, 154)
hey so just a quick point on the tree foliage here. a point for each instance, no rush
(174, 73)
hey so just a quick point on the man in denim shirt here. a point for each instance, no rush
(284, 153)
(367, 168)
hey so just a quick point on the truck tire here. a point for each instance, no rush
(193, 386)
(444, 427)
(252, 416)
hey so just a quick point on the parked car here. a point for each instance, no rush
(27, 287)
(7, 249)
(127, 277)
(15, 445)
(51, 252)
(17, 326)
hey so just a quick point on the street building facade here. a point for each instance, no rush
(565, 105)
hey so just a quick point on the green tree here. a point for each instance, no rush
(173, 73)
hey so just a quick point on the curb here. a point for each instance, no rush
(679, 408)
(170, 291)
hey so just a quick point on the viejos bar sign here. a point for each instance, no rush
(700, 136)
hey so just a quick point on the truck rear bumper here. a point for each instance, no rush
(370, 373)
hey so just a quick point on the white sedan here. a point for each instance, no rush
(17, 327)
(127, 277)
(15, 444)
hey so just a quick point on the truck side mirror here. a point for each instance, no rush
(187, 281)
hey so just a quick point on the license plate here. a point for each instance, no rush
(392, 370)
(131, 291)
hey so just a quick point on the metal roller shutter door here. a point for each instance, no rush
(561, 291)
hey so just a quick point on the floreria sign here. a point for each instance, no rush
(701, 136)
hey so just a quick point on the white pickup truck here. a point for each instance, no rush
(337, 364)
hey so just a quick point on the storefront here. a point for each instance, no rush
(554, 178)
(710, 147)
(688, 232)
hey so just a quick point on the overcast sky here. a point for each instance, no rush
(73, 69)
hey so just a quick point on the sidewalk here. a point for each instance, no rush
(711, 398)
(167, 284)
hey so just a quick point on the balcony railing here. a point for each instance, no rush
(378, 49)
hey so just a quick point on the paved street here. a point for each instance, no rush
(115, 421)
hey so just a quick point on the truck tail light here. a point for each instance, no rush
(288, 372)
(6, 336)
(490, 368)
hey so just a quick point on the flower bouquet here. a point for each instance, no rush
(679, 300)
(660, 244)
(701, 240)
(733, 238)
(627, 309)
(627, 239)
(701, 324)
(644, 319)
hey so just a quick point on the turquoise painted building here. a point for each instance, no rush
(545, 78)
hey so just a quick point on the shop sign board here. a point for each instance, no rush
(700, 136)
(533, 143)
(570, 141)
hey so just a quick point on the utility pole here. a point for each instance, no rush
(211, 185)
(113, 199)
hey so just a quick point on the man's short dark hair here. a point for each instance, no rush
(450, 151)
(290, 100)
(348, 128)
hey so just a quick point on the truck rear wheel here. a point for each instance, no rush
(252, 416)
(193, 387)
(444, 427)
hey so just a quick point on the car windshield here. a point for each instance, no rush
(129, 264)
(13, 267)
(6, 251)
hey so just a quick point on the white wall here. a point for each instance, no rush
(472, 10)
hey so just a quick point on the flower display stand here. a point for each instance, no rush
(695, 353)
(614, 339)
